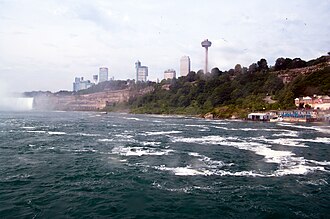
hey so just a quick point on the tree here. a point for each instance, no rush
(191, 76)
(283, 63)
(231, 71)
(253, 68)
(262, 65)
(279, 64)
(298, 63)
(244, 70)
(238, 69)
(215, 72)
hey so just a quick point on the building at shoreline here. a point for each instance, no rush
(141, 72)
(184, 66)
(103, 74)
(169, 74)
(315, 102)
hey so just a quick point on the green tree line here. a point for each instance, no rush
(235, 92)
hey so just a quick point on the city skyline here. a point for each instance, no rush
(44, 44)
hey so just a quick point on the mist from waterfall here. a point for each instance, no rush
(13, 102)
(16, 103)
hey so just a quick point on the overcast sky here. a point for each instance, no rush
(44, 44)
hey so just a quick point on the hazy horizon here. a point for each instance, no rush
(45, 44)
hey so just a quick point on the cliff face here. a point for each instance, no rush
(289, 74)
(86, 102)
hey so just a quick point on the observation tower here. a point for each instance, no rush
(206, 44)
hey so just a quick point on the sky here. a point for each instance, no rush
(45, 44)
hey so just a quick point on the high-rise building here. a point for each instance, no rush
(141, 72)
(81, 84)
(184, 65)
(103, 74)
(169, 74)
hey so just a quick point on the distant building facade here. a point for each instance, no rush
(103, 74)
(169, 74)
(315, 102)
(141, 72)
(184, 66)
(95, 78)
(81, 84)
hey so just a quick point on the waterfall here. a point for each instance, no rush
(16, 103)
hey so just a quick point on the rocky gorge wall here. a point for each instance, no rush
(85, 102)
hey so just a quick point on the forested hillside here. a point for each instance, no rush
(236, 92)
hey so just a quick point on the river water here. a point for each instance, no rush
(92, 165)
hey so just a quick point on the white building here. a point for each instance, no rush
(103, 74)
(169, 74)
(81, 84)
(184, 65)
(141, 72)
(315, 102)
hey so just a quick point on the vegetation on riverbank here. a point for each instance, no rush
(236, 92)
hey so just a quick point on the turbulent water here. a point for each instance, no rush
(76, 165)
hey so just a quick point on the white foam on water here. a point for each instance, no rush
(194, 154)
(240, 173)
(316, 140)
(162, 133)
(287, 133)
(140, 151)
(105, 140)
(183, 171)
(323, 129)
(320, 140)
(214, 122)
(28, 127)
(199, 126)
(184, 190)
(212, 139)
(220, 127)
(321, 163)
(36, 131)
(85, 150)
(253, 129)
(132, 118)
(316, 182)
(123, 136)
(299, 169)
(203, 128)
(208, 161)
(17, 176)
(289, 164)
(150, 143)
(292, 125)
(88, 135)
(291, 142)
(190, 171)
(56, 133)
(246, 129)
